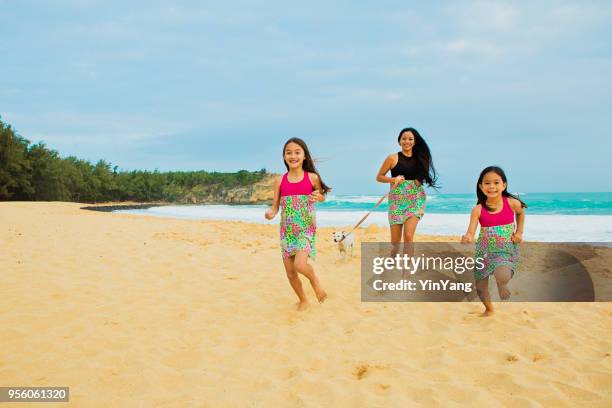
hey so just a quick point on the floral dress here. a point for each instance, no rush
(298, 225)
(406, 200)
(494, 245)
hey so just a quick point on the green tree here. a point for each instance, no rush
(47, 176)
(34, 172)
(15, 170)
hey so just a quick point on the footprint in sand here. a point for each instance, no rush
(290, 373)
(363, 369)
(360, 371)
(530, 323)
(512, 358)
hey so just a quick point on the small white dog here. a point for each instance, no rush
(346, 244)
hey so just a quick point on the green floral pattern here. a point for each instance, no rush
(495, 247)
(406, 200)
(298, 225)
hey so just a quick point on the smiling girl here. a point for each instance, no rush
(495, 211)
(295, 193)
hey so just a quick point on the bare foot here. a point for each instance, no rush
(321, 295)
(487, 313)
(504, 293)
(302, 305)
(319, 291)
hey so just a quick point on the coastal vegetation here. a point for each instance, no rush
(34, 172)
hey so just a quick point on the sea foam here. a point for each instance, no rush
(539, 227)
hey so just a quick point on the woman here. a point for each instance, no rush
(410, 168)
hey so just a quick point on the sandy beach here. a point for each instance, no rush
(136, 311)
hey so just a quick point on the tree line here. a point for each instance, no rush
(33, 172)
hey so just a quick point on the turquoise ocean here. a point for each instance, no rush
(538, 203)
(559, 217)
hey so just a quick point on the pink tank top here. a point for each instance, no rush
(303, 187)
(504, 217)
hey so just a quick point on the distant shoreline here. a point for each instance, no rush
(113, 207)
(110, 207)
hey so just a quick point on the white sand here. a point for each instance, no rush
(132, 311)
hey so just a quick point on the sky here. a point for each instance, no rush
(221, 86)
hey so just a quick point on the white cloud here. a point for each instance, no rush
(400, 71)
(76, 3)
(485, 16)
(581, 14)
(327, 73)
(180, 14)
(71, 128)
(464, 46)
(376, 95)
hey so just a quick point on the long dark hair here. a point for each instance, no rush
(308, 163)
(423, 155)
(482, 198)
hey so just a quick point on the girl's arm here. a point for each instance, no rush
(517, 237)
(468, 237)
(386, 166)
(316, 192)
(271, 213)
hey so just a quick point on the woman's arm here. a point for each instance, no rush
(316, 192)
(386, 166)
(471, 231)
(271, 213)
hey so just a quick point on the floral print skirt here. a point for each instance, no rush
(406, 200)
(298, 225)
(495, 247)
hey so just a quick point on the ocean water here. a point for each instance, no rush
(556, 217)
(539, 203)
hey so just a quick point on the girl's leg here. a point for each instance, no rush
(295, 282)
(302, 266)
(482, 288)
(503, 274)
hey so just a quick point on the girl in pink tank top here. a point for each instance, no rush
(499, 235)
(303, 187)
(295, 195)
(504, 217)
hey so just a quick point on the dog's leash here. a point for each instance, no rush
(364, 217)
